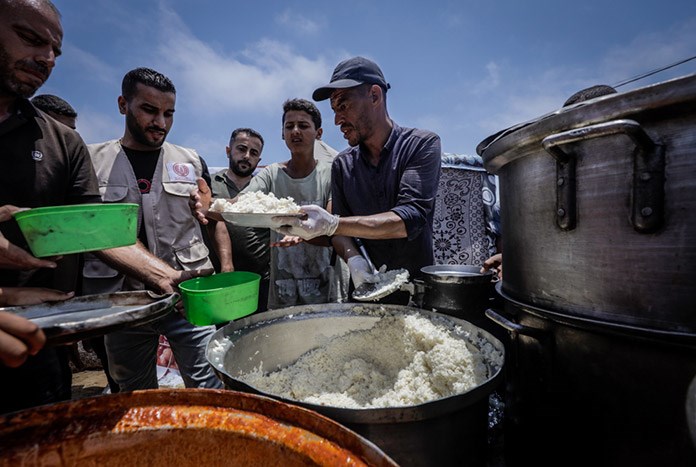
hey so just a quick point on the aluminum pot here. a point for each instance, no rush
(598, 207)
(449, 431)
(186, 427)
(586, 392)
(454, 288)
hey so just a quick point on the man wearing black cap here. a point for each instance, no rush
(383, 186)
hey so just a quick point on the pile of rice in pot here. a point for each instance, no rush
(401, 361)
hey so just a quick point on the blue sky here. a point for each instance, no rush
(460, 68)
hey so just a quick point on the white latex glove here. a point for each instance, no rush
(360, 271)
(318, 222)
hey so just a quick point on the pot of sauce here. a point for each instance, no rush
(186, 427)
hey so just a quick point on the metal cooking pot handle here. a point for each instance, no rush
(514, 328)
(647, 210)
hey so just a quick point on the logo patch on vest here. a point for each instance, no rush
(181, 172)
(37, 155)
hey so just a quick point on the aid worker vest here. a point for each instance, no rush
(173, 234)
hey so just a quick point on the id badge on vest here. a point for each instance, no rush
(181, 172)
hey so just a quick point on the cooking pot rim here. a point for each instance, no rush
(458, 273)
(674, 337)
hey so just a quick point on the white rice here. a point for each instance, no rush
(258, 203)
(401, 361)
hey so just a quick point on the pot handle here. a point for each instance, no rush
(647, 202)
(512, 327)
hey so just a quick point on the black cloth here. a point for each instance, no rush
(45, 163)
(405, 182)
(143, 164)
(250, 246)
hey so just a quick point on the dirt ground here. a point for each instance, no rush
(89, 379)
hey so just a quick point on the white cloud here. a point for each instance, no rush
(255, 80)
(89, 64)
(95, 127)
(298, 23)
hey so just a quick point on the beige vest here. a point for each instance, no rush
(173, 234)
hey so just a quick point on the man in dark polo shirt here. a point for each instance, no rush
(45, 163)
(250, 246)
(383, 186)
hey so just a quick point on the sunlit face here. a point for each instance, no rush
(244, 154)
(149, 117)
(351, 113)
(299, 131)
(30, 41)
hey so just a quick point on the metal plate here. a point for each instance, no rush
(370, 292)
(91, 315)
(251, 219)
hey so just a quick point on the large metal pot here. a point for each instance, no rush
(449, 431)
(183, 427)
(586, 392)
(598, 207)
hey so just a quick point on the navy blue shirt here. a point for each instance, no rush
(404, 182)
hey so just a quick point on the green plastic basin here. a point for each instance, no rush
(61, 230)
(221, 297)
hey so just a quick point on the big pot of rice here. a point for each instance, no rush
(416, 383)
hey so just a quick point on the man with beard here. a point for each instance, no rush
(45, 163)
(301, 272)
(142, 168)
(383, 186)
(250, 246)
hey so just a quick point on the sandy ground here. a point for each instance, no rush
(89, 379)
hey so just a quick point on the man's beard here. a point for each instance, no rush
(139, 134)
(242, 172)
(9, 85)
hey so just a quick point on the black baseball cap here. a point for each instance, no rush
(350, 73)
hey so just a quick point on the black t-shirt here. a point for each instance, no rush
(44, 163)
(144, 164)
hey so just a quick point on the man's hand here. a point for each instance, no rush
(200, 199)
(19, 338)
(20, 296)
(170, 284)
(14, 257)
(360, 271)
(494, 262)
(318, 222)
(287, 241)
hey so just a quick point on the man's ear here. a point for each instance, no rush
(122, 105)
(320, 131)
(228, 151)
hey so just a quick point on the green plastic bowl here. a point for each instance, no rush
(61, 230)
(221, 297)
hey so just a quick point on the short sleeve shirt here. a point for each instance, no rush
(300, 274)
(44, 163)
(405, 182)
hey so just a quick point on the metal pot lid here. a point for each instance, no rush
(91, 315)
(456, 273)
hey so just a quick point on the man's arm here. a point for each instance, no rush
(222, 243)
(136, 261)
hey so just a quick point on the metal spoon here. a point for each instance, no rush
(369, 291)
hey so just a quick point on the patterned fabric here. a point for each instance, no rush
(467, 214)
